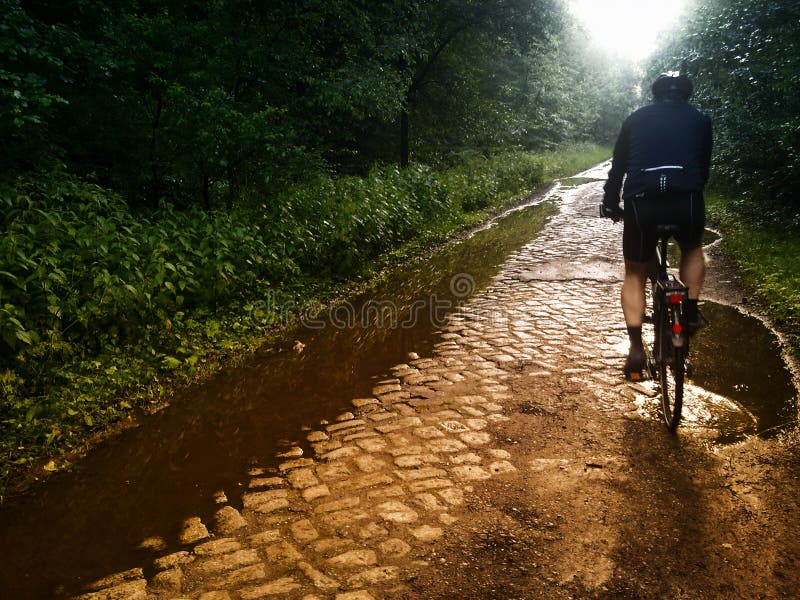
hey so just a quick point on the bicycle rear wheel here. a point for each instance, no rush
(671, 370)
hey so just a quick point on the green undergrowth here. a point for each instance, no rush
(765, 245)
(104, 310)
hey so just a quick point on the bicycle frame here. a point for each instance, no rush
(669, 291)
(671, 342)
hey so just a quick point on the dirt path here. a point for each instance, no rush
(512, 463)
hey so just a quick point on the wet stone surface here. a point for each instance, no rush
(387, 480)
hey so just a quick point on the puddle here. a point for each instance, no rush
(573, 182)
(738, 359)
(740, 386)
(86, 523)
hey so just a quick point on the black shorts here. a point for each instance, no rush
(642, 215)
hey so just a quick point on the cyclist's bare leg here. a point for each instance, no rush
(693, 270)
(633, 305)
(633, 301)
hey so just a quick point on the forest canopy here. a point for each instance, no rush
(212, 101)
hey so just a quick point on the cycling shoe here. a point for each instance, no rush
(692, 327)
(635, 368)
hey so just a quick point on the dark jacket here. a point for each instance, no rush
(665, 134)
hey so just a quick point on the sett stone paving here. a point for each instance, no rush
(388, 479)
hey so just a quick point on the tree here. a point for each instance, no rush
(29, 64)
(744, 57)
(211, 101)
(486, 29)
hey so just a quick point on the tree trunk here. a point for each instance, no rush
(420, 76)
(232, 188)
(207, 191)
(404, 151)
(155, 185)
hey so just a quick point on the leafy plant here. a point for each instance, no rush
(768, 256)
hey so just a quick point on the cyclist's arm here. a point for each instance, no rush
(705, 155)
(619, 164)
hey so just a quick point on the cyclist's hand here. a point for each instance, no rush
(613, 212)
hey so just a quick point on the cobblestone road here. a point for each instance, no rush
(386, 480)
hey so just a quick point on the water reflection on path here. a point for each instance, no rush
(741, 384)
(145, 481)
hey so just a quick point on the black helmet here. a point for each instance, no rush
(672, 85)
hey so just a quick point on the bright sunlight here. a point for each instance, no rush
(627, 28)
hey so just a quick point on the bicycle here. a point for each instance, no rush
(668, 359)
(670, 338)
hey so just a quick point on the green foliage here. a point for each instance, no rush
(744, 57)
(552, 90)
(464, 62)
(102, 308)
(216, 102)
(337, 224)
(27, 61)
(479, 182)
(767, 251)
(574, 91)
(91, 292)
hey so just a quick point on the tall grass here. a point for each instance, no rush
(766, 248)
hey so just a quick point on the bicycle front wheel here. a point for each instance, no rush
(672, 369)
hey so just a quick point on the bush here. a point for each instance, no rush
(340, 223)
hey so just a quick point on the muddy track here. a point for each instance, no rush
(511, 462)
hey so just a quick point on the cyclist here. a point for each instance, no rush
(664, 154)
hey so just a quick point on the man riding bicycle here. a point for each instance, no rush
(664, 154)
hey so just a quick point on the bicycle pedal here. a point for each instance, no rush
(637, 376)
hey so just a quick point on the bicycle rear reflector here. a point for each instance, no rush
(675, 297)
(677, 329)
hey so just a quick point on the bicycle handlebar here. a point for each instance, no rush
(608, 212)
